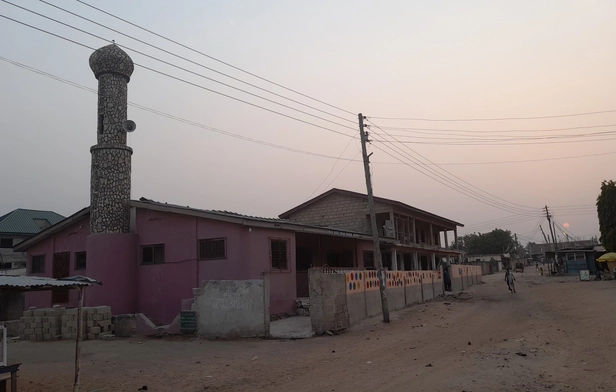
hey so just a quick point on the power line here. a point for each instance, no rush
(516, 207)
(187, 82)
(416, 130)
(493, 119)
(556, 208)
(501, 144)
(190, 61)
(332, 169)
(497, 221)
(519, 219)
(523, 160)
(213, 58)
(180, 68)
(340, 172)
(505, 138)
(458, 189)
(173, 117)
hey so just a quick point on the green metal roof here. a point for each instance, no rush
(22, 221)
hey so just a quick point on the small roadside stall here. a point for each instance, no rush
(610, 260)
(11, 283)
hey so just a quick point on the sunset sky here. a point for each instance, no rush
(407, 60)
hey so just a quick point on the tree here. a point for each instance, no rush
(495, 242)
(606, 210)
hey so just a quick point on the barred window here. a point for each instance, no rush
(153, 254)
(279, 254)
(213, 248)
(38, 264)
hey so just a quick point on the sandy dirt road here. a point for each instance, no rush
(564, 328)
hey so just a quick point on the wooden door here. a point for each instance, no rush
(60, 269)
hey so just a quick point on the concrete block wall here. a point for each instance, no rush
(412, 287)
(427, 286)
(439, 284)
(60, 323)
(328, 301)
(457, 282)
(232, 308)
(464, 276)
(343, 212)
(338, 300)
(355, 295)
(372, 295)
(396, 295)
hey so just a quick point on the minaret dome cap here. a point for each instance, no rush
(111, 59)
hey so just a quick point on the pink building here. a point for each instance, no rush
(178, 247)
(150, 255)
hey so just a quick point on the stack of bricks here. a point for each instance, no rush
(59, 323)
(40, 324)
(69, 324)
(97, 322)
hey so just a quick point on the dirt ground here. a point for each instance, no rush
(562, 329)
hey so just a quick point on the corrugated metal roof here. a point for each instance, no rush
(217, 212)
(22, 221)
(38, 283)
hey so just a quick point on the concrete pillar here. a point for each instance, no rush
(415, 261)
(433, 256)
(431, 235)
(455, 237)
(394, 260)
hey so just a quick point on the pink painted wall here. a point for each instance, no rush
(162, 287)
(158, 290)
(360, 247)
(112, 261)
(72, 239)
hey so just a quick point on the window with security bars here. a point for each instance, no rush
(153, 254)
(38, 264)
(279, 254)
(80, 260)
(212, 249)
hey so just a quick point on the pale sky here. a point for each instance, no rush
(417, 59)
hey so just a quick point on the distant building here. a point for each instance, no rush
(17, 226)
(491, 263)
(538, 251)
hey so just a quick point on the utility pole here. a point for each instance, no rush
(375, 230)
(546, 242)
(547, 215)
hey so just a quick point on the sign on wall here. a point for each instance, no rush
(188, 321)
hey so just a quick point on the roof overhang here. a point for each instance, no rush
(24, 245)
(37, 283)
(248, 221)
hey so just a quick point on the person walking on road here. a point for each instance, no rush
(510, 279)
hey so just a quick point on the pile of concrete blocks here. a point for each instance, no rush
(59, 323)
(98, 322)
(40, 324)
